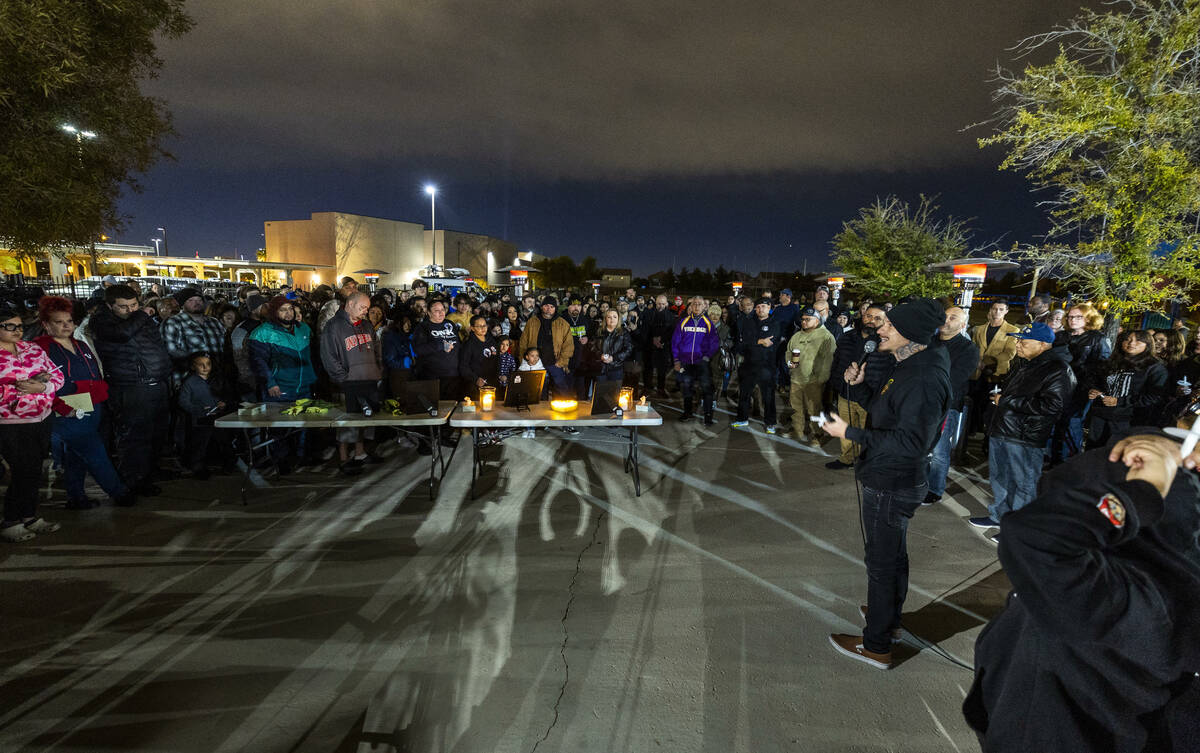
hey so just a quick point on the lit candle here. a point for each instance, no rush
(487, 397)
(625, 400)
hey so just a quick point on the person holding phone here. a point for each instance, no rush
(28, 381)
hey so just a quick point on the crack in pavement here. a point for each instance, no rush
(562, 649)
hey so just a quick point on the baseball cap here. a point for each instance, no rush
(786, 291)
(1036, 331)
(810, 311)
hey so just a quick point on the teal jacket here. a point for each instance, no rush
(282, 359)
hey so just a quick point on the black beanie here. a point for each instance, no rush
(918, 319)
(182, 296)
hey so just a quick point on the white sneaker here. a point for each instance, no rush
(328, 452)
(16, 534)
(529, 433)
(41, 526)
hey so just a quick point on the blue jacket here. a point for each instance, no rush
(398, 353)
(282, 359)
(694, 340)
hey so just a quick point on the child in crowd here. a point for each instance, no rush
(508, 362)
(200, 403)
(533, 361)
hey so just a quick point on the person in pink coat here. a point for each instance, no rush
(28, 381)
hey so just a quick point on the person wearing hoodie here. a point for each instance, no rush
(1038, 389)
(479, 358)
(694, 342)
(353, 359)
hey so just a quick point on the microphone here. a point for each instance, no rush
(868, 348)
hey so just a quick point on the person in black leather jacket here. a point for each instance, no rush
(611, 348)
(136, 366)
(1038, 389)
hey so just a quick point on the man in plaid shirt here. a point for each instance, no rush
(190, 331)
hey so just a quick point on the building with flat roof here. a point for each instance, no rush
(348, 243)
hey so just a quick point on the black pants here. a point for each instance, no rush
(23, 447)
(138, 412)
(699, 375)
(657, 359)
(762, 376)
(885, 516)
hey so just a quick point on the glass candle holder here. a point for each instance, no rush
(487, 398)
(625, 399)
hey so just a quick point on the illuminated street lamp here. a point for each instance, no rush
(80, 134)
(166, 251)
(432, 191)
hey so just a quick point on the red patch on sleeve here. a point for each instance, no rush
(1111, 508)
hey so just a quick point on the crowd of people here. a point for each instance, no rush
(114, 385)
(110, 384)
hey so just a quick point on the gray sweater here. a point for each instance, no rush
(349, 352)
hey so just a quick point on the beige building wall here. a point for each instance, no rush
(350, 242)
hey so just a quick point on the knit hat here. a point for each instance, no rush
(550, 301)
(253, 301)
(274, 305)
(918, 319)
(182, 296)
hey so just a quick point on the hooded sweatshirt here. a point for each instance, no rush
(350, 351)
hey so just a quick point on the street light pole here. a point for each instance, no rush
(80, 134)
(432, 191)
(166, 251)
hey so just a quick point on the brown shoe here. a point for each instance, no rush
(896, 634)
(852, 646)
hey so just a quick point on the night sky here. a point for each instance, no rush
(694, 133)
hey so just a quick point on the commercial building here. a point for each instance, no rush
(347, 243)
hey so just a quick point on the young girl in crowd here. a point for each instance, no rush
(508, 362)
(533, 361)
(200, 403)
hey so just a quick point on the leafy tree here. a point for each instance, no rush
(887, 247)
(1110, 130)
(70, 63)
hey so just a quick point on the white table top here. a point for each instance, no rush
(336, 417)
(540, 416)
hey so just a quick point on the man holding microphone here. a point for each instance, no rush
(903, 418)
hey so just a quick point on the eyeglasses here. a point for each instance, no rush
(10, 327)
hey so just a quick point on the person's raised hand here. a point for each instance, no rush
(835, 426)
(1147, 457)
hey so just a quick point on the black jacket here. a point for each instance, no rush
(850, 348)
(754, 329)
(1087, 359)
(659, 324)
(617, 344)
(478, 360)
(428, 342)
(1101, 634)
(131, 349)
(904, 418)
(1035, 395)
(1141, 392)
(964, 359)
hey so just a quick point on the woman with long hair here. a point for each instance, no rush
(75, 424)
(1128, 390)
(28, 381)
(510, 324)
(611, 348)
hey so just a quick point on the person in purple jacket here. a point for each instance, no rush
(693, 343)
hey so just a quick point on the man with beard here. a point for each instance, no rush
(903, 416)
(852, 348)
(551, 335)
(281, 361)
(582, 328)
(353, 359)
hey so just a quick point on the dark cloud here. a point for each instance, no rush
(606, 91)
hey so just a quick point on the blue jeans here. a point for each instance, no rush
(76, 444)
(557, 382)
(885, 516)
(1014, 470)
(940, 464)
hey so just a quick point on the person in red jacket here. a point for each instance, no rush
(75, 427)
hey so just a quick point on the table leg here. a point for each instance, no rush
(474, 459)
(632, 465)
(249, 464)
(435, 459)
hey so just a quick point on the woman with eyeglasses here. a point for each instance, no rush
(28, 381)
(1089, 351)
(75, 424)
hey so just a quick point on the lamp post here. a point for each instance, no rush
(165, 250)
(432, 191)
